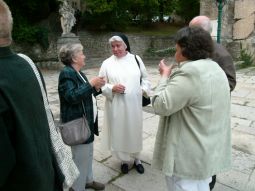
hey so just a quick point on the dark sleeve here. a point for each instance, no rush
(73, 92)
(226, 63)
(96, 93)
(7, 152)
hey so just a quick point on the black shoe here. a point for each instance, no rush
(139, 168)
(212, 184)
(124, 168)
(95, 185)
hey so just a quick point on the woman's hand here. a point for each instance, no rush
(164, 69)
(97, 82)
(118, 88)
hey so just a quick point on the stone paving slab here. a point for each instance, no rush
(243, 112)
(112, 187)
(222, 187)
(102, 173)
(235, 180)
(148, 148)
(151, 180)
(243, 141)
(243, 162)
(235, 121)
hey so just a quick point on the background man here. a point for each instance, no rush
(220, 54)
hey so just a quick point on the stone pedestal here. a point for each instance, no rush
(67, 38)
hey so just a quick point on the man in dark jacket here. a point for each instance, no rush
(221, 56)
(26, 153)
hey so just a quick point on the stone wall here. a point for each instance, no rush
(96, 48)
(238, 23)
(244, 25)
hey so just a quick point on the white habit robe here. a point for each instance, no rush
(122, 131)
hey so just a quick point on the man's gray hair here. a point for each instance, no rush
(206, 25)
(68, 52)
(6, 23)
(202, 21)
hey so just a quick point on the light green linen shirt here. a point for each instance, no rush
(194, 135)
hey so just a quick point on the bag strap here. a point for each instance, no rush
(83, 108)
(137, 62)
(139, 68)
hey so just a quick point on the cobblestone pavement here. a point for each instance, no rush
(240, 178)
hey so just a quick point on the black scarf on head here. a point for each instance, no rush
(125, 39)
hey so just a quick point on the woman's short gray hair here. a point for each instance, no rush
(68, 52)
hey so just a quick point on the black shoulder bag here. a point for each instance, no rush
(146, 100)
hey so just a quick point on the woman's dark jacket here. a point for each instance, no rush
(72, 91)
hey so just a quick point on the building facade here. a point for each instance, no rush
(238, 23)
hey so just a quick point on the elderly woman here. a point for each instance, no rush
(193, 139)
(74, 88)
(122, 132)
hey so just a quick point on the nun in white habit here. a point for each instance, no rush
(123, 122)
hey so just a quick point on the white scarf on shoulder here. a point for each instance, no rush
(62, 151)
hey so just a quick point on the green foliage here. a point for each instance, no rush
(26, 17)
(105, 15)
(31, 34)
(246, 58)
(25, 33)
(119, 14)
(32, 10)
(100, 6)
(187, 9)
(144, 9)
(42, 37)
(114, 15)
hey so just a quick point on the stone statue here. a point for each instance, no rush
(67, 17)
